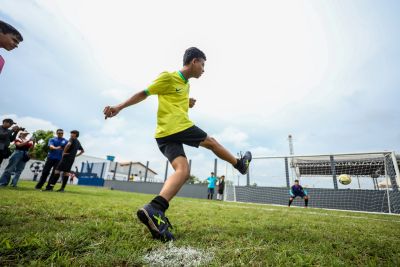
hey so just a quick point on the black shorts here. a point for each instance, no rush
(65, 165)
(172, 145)
(302, 195)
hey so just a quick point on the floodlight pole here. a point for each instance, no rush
(129, 171)
(145, 173)
(291, 152)
(166, 171)
(333, 169)
(190, 167)
(215, 167)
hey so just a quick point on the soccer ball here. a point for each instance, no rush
(344, 179)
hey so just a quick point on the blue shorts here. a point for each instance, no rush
(211, 191)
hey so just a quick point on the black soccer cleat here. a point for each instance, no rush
(243, 163)
(156, 222)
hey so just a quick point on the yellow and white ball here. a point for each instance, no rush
(344, 179)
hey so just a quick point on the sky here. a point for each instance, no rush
(326, 72)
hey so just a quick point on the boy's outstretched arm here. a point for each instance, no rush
(111, 111)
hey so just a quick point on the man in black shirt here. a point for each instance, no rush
(6, 137)
(65, 165)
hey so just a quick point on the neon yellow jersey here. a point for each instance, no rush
(172, 89)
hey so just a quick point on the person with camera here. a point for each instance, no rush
(18, 159)
(6, 137)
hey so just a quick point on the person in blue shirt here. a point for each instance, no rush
(56, 147)
(212, 180)
(298, 191)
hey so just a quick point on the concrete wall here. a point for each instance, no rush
(345, 199)
(188, 190)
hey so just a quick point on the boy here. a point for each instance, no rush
(67, 160)
(173, 130)
(221, 187)
(298, 191)
(9, 39)
(212, 180)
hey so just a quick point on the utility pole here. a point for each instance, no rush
(291, 152)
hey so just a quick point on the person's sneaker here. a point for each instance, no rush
(156, 221)
(243, 163)
(61, 190)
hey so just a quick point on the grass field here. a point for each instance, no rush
(95, 227)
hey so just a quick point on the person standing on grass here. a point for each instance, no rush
(6, 137)
(56, 147)
(221, 187)
(174, 129)
(67, 160)
(18, 159)
(9, 39)
(298, 191)
(212, 180)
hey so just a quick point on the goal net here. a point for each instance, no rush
(374, 185)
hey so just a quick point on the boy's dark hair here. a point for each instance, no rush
(59, 130)
(296, 181)
(191, 53)
(75, 132)
(7, 28)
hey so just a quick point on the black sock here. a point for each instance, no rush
(53, 180)
(160, 203)
(306, 202)
(64, 182)
(290, 202)
(237, 163)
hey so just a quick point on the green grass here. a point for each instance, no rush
(95, 227)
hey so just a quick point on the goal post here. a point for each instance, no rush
(374, 183)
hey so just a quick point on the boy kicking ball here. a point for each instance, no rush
(174, 129)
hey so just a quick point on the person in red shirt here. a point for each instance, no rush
(9, 39)
(18, 159)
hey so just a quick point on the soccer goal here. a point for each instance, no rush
(354, 181)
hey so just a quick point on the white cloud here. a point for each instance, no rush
(233, 136)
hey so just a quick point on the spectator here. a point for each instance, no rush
(221, 186)
(18, 159)
(56, 146)
(6, 137)
(67, 160)
(212, 180)
(9, 39)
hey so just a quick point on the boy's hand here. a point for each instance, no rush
(192, 101)
(110, 112)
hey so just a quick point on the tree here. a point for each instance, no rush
(42, 138)
(193, 180)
